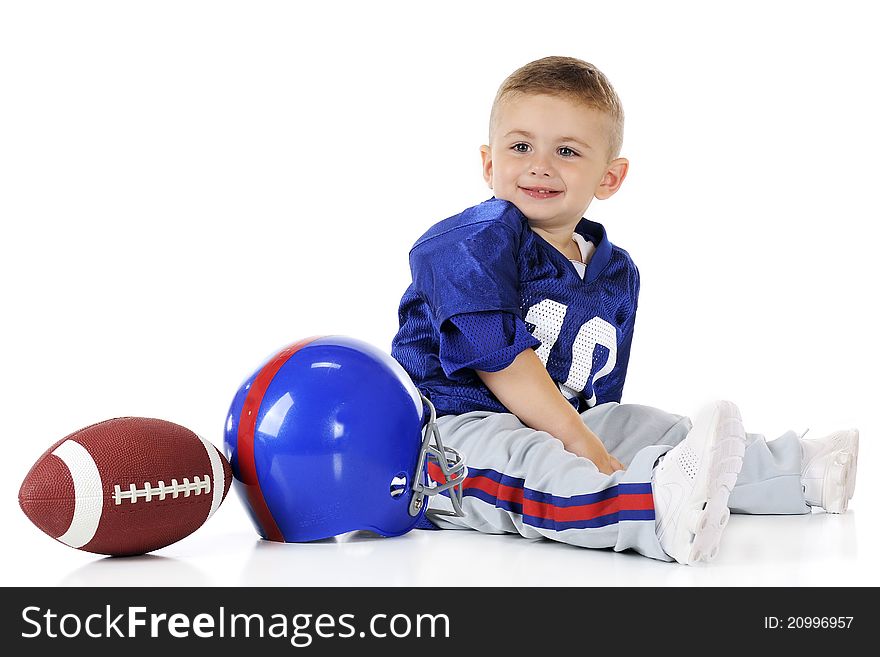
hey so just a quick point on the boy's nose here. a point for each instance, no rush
(539, 167)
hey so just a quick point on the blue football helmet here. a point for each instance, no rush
(329, 436)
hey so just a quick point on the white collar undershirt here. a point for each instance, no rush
(587, 249)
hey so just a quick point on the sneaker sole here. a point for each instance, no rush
(708, 513)
(851, 475)
(840, 479)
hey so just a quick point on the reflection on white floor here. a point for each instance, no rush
(814, 550)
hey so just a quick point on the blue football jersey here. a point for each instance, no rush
(485, 287)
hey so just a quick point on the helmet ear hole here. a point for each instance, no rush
(398, 485)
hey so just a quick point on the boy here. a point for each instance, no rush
(518, 326)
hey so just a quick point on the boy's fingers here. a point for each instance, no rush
(611, 467)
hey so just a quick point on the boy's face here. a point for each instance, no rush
(549, 157)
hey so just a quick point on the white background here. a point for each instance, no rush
(186, 187)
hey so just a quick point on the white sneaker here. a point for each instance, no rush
(693, 481)
(829, 470)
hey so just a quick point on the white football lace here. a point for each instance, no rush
(197, 486)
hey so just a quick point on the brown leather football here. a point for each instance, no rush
(125, 486)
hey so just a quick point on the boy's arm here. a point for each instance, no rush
(526, 390)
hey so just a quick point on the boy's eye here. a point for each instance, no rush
(521, 147)
(565, 151)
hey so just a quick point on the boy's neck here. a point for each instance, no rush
(561, 238)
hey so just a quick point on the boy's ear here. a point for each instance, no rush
(613, 179)
(486, 155)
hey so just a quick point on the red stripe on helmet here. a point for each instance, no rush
(247, 423)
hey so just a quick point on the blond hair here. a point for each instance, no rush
(570, 78)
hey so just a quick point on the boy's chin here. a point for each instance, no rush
(536, 211)
(532, 213)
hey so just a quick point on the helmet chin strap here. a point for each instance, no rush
(451, 464)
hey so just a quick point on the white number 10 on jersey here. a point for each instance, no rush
(547, 318)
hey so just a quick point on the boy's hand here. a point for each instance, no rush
(592, 448)
(614, 464)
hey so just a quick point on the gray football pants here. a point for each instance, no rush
(523, 481)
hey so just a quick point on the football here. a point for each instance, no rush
(125, 486)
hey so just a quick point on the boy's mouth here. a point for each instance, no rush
(541, 192)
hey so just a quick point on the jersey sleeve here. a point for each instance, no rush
(485, 341)
(468, 269)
